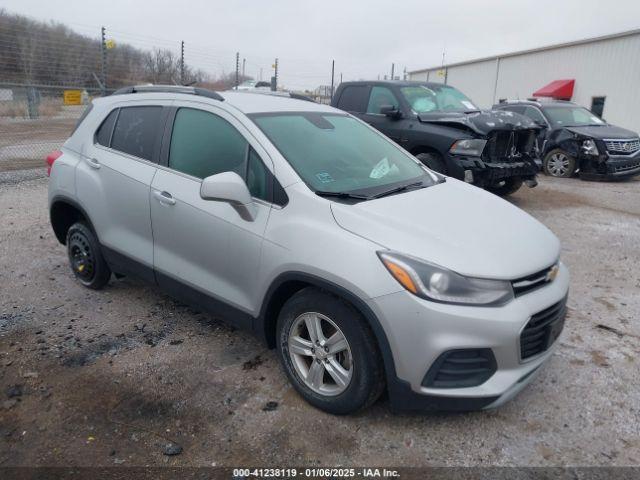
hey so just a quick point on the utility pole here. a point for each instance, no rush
(274, 79)
(237, 68)
(340, 77)
(260, 73)
(182, 63)
(103, 47)
(244, 61)
(393, 66)
(404, 74)
(333, 65)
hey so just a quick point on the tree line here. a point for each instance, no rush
(50, 53)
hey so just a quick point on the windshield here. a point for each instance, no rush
(423, 99)
(571, 116)
(337, 153)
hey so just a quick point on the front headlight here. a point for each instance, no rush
(589, 147)
(469, 147)
(441, 285)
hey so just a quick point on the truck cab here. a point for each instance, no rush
(446, 131)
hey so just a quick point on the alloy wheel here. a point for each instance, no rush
(558, 164)
(320, 354)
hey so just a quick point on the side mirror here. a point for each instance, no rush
(540, 123)
(390, 111)
(229, 187)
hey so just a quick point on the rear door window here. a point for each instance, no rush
(136, 131)
(354, 98)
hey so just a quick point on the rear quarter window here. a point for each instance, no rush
(136, 131)
(103, 134)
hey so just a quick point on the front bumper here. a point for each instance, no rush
(614, 167)
(485, 173)
(420, 331)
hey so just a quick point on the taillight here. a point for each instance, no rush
(52, 157)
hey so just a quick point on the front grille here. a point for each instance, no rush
(542, 330)
(461, 368)
(534, 281)
(623, 147)
(508, 145)
(628, 166)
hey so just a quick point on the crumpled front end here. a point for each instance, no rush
(619, 159)
(507, 154)
(611, 159)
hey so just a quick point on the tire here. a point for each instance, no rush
(433, 161)
(559, 163)
(361, 375)
(506, 187)
(86, 260)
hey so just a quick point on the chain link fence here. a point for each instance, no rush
(34, 121)
(50, 73)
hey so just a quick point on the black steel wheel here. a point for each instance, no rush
(86, 260)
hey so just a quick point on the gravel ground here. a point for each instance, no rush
(125, 375)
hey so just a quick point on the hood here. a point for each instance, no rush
(480, 122)
(601, 132)
(457, 226)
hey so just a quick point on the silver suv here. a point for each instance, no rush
(306, 226)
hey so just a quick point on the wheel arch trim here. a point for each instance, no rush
(264, 324)
(63, 199)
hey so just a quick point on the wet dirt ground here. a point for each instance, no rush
(126, 375)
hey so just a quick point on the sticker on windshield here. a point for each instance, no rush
(468, 104)
(381, 169)
(324, 177)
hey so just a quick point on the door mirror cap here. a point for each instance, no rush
(229, 187)
(390, 111)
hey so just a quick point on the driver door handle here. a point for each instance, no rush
(93, 163)
(165, 198)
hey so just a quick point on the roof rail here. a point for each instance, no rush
(203, 92)
(277, 93)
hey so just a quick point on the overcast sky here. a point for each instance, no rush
(363, 36)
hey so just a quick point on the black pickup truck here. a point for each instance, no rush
(495, 150)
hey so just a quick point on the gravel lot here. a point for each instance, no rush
(121, 375)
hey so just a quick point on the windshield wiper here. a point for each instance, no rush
(342, 195)
(400, 189)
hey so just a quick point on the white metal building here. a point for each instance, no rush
(606, 67)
